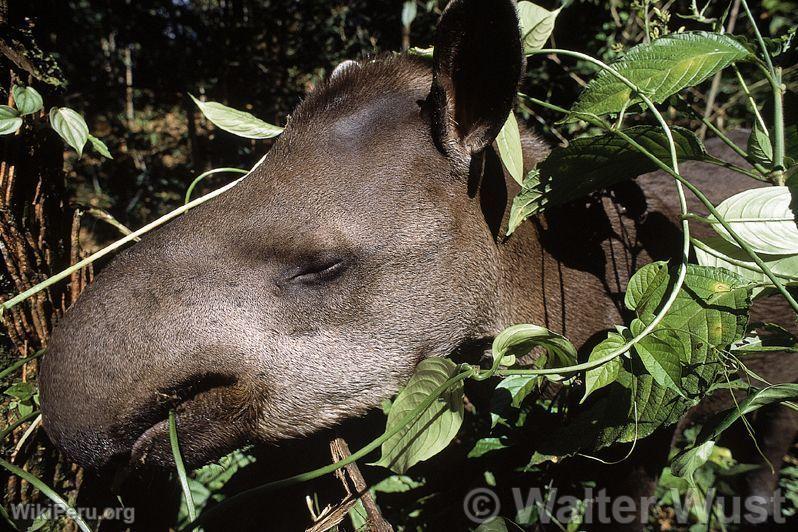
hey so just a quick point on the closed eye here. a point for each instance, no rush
(316, 271)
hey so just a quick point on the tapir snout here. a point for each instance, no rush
(309, 292)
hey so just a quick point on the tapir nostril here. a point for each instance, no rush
(200, 403)
(193, 386)
(184, 391)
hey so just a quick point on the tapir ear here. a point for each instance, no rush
(477, 64)
(343, 67)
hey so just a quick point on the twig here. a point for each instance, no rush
(374, 520)
(331, 517)
(575, 77)
(715, 87)
(106, 217)
(33, 426)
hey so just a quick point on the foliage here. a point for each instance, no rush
(434, 428)
(689, 322)
(677, 348)
(660, 69)
(237, 122)
(69, 124)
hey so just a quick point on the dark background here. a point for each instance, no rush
(128, 67)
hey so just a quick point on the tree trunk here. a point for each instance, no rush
(38, 237)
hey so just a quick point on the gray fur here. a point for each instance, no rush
(220, 315)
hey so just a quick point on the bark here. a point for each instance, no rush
(38, 238)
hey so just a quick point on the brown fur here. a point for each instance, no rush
(369, 238)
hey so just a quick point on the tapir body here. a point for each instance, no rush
(370, 237)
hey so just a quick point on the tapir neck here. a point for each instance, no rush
(536, 285)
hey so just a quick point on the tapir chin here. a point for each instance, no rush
(371, 236)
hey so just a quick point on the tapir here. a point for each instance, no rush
(371, 236)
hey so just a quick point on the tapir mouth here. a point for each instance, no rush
(207, 421)
(138, 453)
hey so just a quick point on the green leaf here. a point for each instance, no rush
(520, 340)
(100, 147)
(396, 484)
(661, 353)
(660, 69)
(358, 516)
(589, 164)
(708, 314)
(426, 53)
(685, 464)
(790, 119)
(434, 428)
(720, 253)
(509, 142)
(537, 23)
(538, 458)
(760, 149)
(486, 445)
(649, 275)
(27, 100)
(776, 393)
(10, 121)
(216, 475)
(495, 524)
(762, 218)
(510, 391)
(237, 122)
(22, 391)
(766, 337)
(518, 387)
(24, 409)
(608, 372)
(710, 305)
(70, 126)
(526, 203)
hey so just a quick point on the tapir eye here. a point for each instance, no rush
(315, 271)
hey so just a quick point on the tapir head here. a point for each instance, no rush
(308, 293)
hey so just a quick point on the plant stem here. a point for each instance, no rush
(725, 164)
(774, 76)
(254, 493)
(106, 217)
(119, 243)
(19, 363)
(759, 38)
(701, 197)
(751, 101)
(181, 468)
(726, 140)
(778, 125)
(203, 175)
(48, 492)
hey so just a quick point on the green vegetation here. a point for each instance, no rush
(635, 112)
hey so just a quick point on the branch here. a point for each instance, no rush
(374, 520)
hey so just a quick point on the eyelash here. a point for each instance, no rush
(315, 273)
(321, 273)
